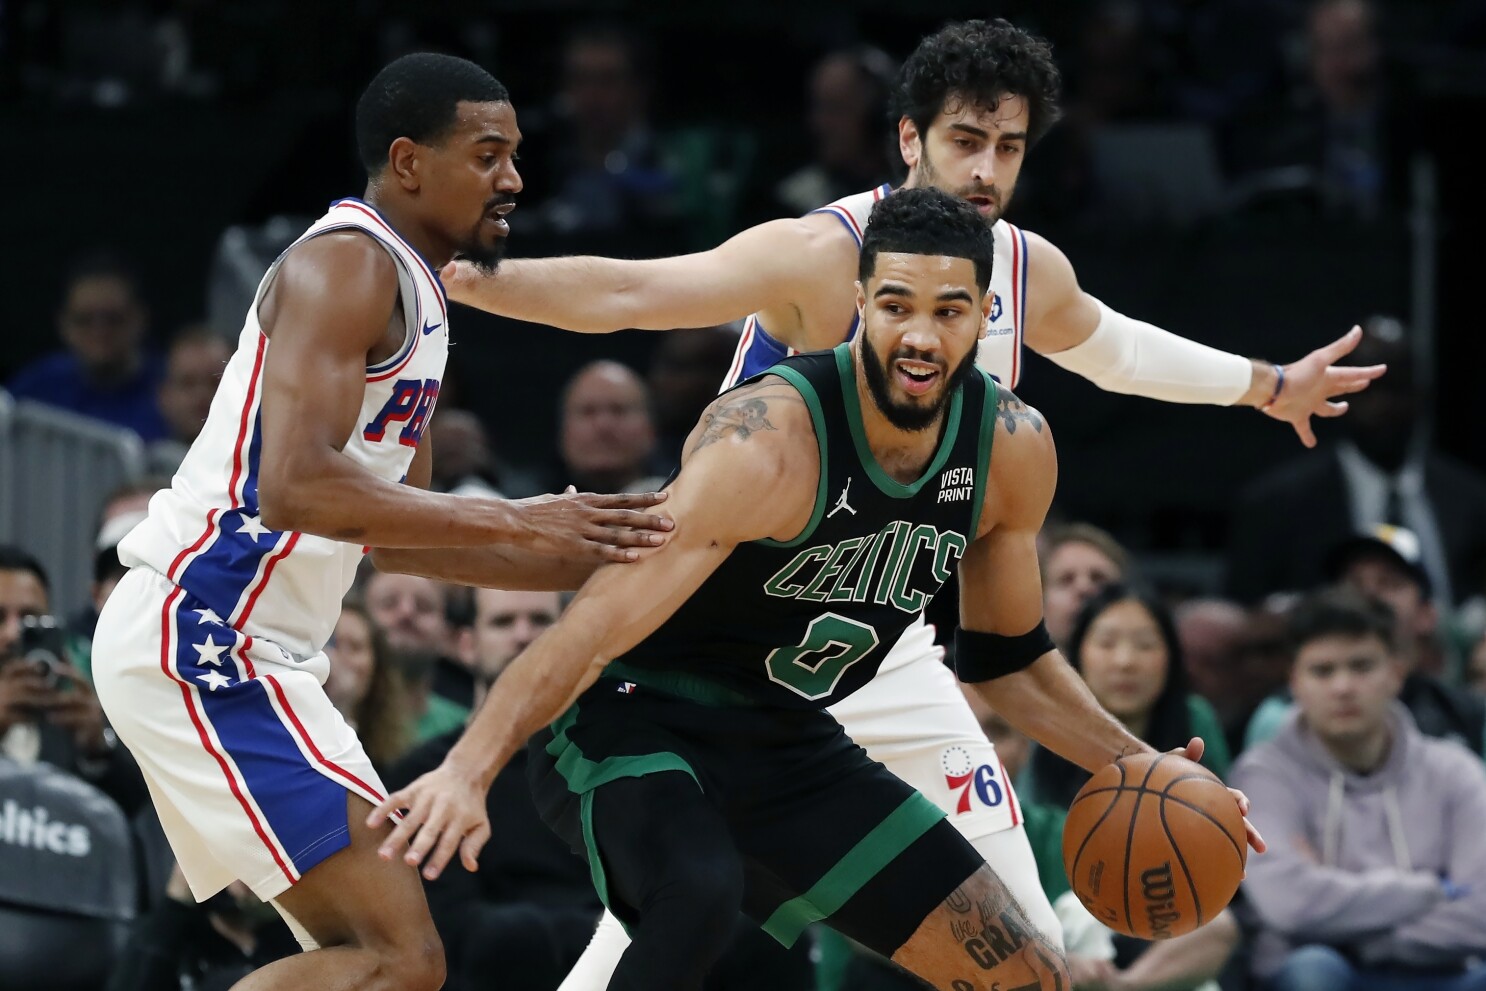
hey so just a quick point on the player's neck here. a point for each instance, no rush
(902, 454)
(432, 249)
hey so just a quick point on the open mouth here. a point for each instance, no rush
(497, 216)
(915, 377)
(985, 204)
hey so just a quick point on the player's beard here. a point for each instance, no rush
(486, 258)
(929, 176)
(908, 416)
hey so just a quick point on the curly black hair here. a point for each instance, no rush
(980, 62)
(928, 221)
(417, 97)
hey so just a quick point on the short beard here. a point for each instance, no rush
(929, 176)
(906, 416)
(487, 260)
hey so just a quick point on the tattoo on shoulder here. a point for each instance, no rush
(742, 413)
(1011, 410)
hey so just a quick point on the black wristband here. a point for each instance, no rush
(984, 656)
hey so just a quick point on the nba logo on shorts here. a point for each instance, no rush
(971, 781)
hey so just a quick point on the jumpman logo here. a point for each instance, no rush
(841, 503)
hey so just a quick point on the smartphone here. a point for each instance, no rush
(43, 645)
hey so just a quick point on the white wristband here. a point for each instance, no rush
(1132, 357)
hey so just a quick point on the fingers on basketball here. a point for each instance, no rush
(1154, 846)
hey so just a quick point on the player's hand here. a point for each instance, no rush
(23, 691)
(1193, 751)
(590, 526)
(75, 708)
(1311, 382)
(443, 814)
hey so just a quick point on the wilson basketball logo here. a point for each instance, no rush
(972, 781)
(1160, 900)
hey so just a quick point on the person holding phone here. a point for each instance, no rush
(48, 710)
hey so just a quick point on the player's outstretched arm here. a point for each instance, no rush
(1121, 354)
(330, 305)
(765, 268)
(493, 565)
(752, 441)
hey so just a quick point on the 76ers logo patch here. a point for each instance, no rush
(973, 782)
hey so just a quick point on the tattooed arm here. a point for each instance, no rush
(755, 439)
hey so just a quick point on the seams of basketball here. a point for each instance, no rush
(1191, 885)
(1179, 801)
(1167, 796)
(1140, 792)
(1079, 856)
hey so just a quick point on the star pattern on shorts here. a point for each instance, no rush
(214, 680)
(207, 616)
(253, 527)
(210, 652)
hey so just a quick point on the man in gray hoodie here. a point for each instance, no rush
(1376, 872)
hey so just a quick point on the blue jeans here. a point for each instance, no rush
(1321, 968)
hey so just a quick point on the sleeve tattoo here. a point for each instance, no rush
(742, 413)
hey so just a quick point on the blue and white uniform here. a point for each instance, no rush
(210, 659)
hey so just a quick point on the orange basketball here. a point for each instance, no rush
(1154, 846)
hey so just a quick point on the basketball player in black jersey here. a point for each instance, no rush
(818, 507)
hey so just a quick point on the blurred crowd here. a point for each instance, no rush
(1336, 669)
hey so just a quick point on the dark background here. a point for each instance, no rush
(266, 130)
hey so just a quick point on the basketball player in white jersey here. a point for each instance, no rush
(209, 658)
(973, 97)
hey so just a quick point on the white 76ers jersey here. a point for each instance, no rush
(999, 353)
(205, 533)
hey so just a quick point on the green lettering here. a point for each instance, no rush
(923, 535)
(816, 590)
(776, 586)
(894, 559)
(864, 581)
(951, 548)
(841, 591)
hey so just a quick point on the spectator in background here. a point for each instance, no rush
(179, 945)
(601, 173)
(685, 372)
(855, 145)
(529, 910)
(1376, 870)
(1077, 561)
(1215, 634)
(412, 613)
(193, 367)
(1124, 644)
(106, 371)
(606, 435)
(462, 462)
(51, 714)
(365, 688)
(1385, 567)
(1384, 470)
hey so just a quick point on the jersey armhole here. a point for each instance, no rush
(818, 421)
(983, 459)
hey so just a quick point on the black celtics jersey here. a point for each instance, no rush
(805, 622)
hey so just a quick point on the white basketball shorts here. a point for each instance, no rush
(913, 718)
(246, 759)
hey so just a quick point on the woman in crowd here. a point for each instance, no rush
(366, 687)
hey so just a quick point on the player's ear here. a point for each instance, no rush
(910, 142)
(985, 313)
(402, 162)
(861, 300)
